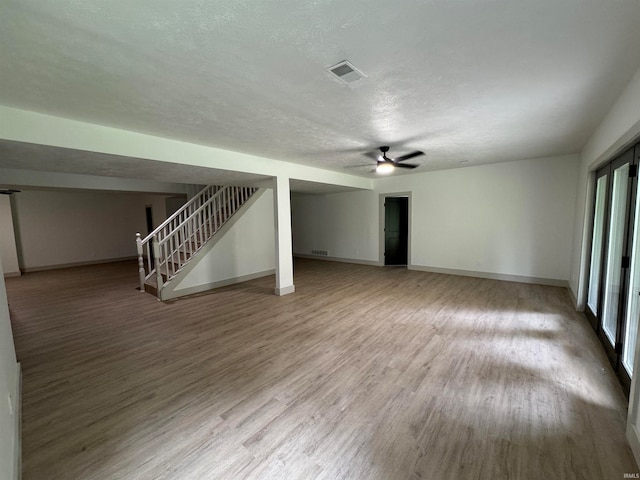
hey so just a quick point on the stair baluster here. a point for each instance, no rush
(140, 261)
(170, 246)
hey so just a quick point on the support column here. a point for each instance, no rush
(284, 249)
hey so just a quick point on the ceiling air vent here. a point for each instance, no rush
(347, 74)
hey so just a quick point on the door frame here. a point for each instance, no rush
(623, 322)
(612, 351)
(594, 319)
(381, 218)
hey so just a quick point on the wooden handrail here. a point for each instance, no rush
(195, 212)
(178, 212)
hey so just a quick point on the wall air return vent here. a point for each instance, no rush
(347, 74)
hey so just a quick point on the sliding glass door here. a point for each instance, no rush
(613, 300)
(599, 219)
(614, 278)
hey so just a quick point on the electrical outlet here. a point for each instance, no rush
(10, 404)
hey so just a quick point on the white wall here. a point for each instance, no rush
(63, 227)
(8, 253)
(343, 224)
(8, 391)
(619, 127)
(513, 219)
(245, 248)
(617, 130)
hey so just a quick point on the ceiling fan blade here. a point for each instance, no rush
(373, 155)
(402, 158)
(361, 165)
(406, 165)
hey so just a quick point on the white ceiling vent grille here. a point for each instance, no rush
(347, 74)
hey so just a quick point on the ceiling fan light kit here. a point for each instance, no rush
(385, 168)
(388, 165)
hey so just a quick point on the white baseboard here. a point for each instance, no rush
(11, 274)
(76, 264)
(493, 276)
(450, 271)
(356, 261)
(285, 290)
(168, 294)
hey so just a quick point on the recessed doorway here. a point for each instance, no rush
(396, 230)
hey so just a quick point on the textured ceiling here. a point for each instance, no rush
(479, 81)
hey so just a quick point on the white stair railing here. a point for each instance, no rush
(171, 245)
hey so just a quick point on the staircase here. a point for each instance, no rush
(166, 250)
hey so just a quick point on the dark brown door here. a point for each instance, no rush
(396, 230)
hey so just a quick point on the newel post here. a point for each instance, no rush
(156, 257)
(140, 261)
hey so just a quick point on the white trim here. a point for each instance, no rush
(11, 274)
(584, 260)
(357, 261)
(285, 290)
(450, 271)
(173, 294)
(77, 264)
(493, 276)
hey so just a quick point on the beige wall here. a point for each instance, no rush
(343, 224)
(70, 227)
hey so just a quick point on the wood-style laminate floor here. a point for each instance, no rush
(364, 373)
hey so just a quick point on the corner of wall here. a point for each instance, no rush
(10, 381)
(574, 298)
(17, 428)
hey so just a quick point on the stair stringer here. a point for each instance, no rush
(243, 249)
